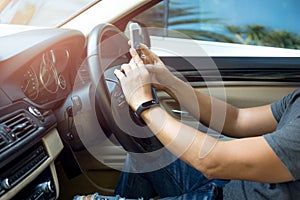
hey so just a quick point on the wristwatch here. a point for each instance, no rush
(145, 106)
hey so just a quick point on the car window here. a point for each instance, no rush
(254, 22)
(40, 12)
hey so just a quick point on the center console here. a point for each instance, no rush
(29, 145)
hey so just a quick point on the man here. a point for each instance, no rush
(265, 158)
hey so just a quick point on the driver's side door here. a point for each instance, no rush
(249, 60)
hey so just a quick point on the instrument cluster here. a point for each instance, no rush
(45, 78)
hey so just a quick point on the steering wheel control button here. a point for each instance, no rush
(119, 96)
(76, 104)
(121, 100)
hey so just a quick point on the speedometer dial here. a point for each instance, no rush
(48, 73)
(30, 84)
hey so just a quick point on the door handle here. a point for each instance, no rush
(182, 113)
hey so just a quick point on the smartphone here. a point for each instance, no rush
(135, 35)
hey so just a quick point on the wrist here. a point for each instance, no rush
(155, 118)
(136, 105)
(143, 107)
(146, 106)
(172, 86)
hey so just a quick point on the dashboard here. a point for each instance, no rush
(37, 73)
(40, 69)
(45, 78)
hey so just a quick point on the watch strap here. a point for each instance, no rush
(145, 106)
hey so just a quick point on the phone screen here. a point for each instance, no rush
(135, 35)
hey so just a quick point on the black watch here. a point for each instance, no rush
(145, 106)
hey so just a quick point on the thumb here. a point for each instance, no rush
(119, 74)
(151, 68)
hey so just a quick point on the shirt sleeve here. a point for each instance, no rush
(278, 107)
(285, 142)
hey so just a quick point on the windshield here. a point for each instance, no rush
(46, 13)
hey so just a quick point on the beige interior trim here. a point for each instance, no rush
(249, 96)
(55, 179)
(239, 96)
(53, 143)
(53, 146)
(243, 96)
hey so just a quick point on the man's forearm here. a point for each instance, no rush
(183, 141)
(217, 159)
(210, 111)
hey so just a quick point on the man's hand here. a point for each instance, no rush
(135, 81)
(161, 77)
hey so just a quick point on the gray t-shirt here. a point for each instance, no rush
(285, 142)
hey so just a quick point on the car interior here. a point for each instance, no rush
(64, 121)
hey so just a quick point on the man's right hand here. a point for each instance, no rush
(161, 77)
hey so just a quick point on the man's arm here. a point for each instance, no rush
(217, 114)
(220, 115)
(246, 159)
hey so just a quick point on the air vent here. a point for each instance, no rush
(15, 127)
(2, 142)
(20, 124)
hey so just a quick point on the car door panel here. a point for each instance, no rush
(240, 81)
(239, 96)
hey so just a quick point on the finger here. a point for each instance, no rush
(150, 68)
(149, 56)
(119, 74)
(136, 58)
(145, 50)
(125, 68)
(140, 54)
(132, 64)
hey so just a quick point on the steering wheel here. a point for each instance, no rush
(107, 49)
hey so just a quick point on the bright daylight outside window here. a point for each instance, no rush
(40, 12)
(254, 22)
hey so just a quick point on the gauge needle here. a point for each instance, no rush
(27, 84)
(48, 80)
